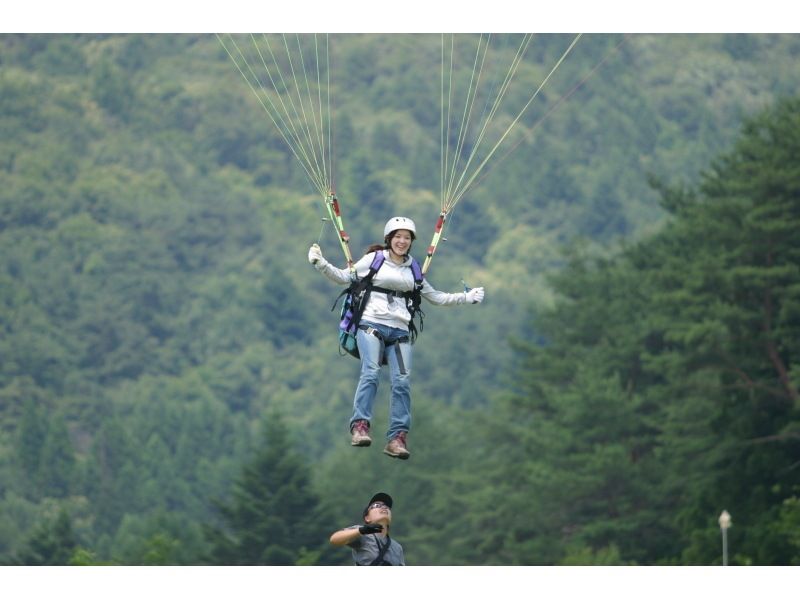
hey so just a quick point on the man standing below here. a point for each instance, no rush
(370, 541)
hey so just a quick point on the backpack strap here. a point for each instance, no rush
(377, 262)
(382, 548)
(414, 300)
(416, 270)
(358, 292)
(361, 283)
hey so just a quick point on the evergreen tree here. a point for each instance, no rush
(273, 516)
(30, 439)
(158, 539)
(51, 543)
(730, 336)
(56, 471)
(665, 389)
(113, 478)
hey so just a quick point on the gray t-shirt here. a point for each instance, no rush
(365, 550)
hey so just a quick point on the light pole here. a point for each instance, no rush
(724, 524)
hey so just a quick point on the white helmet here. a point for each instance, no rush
(398, 223)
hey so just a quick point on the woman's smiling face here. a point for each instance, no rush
(401, 242)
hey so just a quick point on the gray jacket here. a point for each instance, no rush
(366, 549)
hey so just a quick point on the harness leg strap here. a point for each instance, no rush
(401, 364)
(398, 353)
(379, 336)
(384, 345)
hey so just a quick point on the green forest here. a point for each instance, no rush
(171, 390)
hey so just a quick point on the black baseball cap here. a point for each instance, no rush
(379, 497)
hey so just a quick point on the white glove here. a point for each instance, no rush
(474, 295)
(315, 257)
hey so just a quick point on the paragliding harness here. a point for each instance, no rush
(356, 297)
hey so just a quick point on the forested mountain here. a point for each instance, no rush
(170, 386)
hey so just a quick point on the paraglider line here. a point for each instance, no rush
(552, 109)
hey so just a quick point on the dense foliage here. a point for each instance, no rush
(667, 386)
(631, 373)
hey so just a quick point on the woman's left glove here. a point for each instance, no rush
(315, 257)
(474, 295)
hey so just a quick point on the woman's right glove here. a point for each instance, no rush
(474, 295)
(370, 528)
(315, 257)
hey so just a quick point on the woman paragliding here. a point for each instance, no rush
(385, 330)
(293, 87)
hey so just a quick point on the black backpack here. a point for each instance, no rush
(357, 295)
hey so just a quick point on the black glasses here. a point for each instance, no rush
(378, 505)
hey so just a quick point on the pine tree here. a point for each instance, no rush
(733, 330)
(273, 516)
(57, 466)
(113, 479)
(51, 543)
(30, 439)
(665, 386)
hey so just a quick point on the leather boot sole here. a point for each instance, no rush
(403, 456)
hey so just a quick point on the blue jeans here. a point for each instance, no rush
(398, 355)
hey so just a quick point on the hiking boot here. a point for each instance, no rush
(396, 447)
(360, 433)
